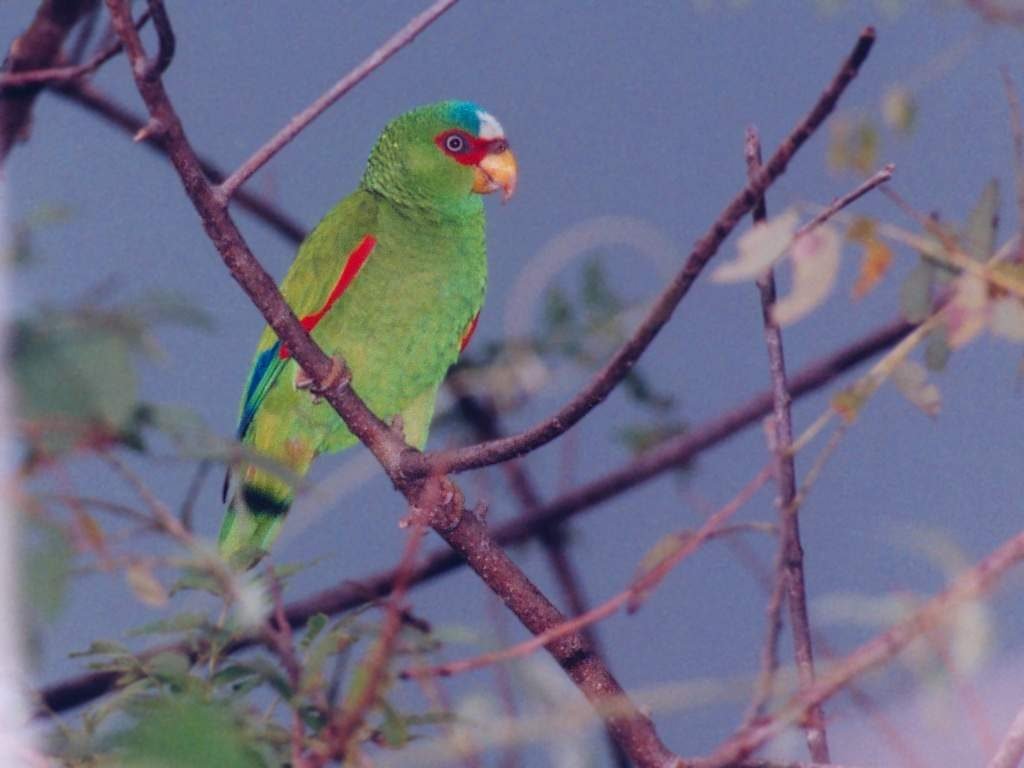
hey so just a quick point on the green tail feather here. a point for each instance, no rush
(253, 520)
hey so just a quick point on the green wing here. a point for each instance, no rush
(306, 288)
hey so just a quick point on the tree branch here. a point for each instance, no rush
(463, 531)
(76, 691)
(485, 420)
(391, 46)
(55, 75)
(37, 47)
(970, 585)
(625, 358)
(1011, 750)
(86, 95)
(631, 597)
(790, 562)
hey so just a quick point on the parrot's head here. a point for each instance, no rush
(442, 156)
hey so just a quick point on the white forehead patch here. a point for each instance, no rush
(490, 128)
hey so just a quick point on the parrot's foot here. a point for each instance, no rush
(339, 374)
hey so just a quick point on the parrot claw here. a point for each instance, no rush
(339, 374)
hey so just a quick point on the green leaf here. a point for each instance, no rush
(642, 437)
(313, 628)
(598, 298)
(899, 110)
(103, 648)
(271, 675)
(640, 389)
(183, 622)
(937, 349)
(169, 667)
(177, 731)
(75, 378)
(916, 292)
(166, 307)
(194, 578)
(338, 639)
(853, 146)
(983, 223)
(47, 568)
(395, 729)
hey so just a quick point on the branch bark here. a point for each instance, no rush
(615, 370)
(790, 563)
(37, 48)
(463, 531)
(79, 690)
(297, 124)
(970, 585)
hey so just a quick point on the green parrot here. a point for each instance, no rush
(392, 280)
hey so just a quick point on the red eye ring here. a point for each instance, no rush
(466, 149)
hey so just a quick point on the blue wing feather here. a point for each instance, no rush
(264, 371)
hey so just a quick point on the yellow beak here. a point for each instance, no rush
(494, 172)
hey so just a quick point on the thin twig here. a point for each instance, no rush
(436, 495)
(165, 41)
(81, 689)
(1017, 133)
(997, 12)
(631, 597)
(347, 723)
(279, 638)
(56, 75)
(188, 505)
(484, 418)
(790, 562)
(1011, 750)
(969, 585)
(876, 179)
(37, 47)
(88, 96)
(602, 384)
(391, 46)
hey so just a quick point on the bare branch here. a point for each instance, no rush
(165, 41)
(790, 562)
(878, 178)
(391, 46)
(997, 12)
(630, 597)
(1017, 133)
(75, 691)
(347, 723)
(36, 48)
(86, 95)
(1011, 750)
(484, 418)
(55, 75)
(625, 358)
(436, 494)
(969, 585)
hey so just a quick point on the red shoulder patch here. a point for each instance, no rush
(468, 333)
(353, 264)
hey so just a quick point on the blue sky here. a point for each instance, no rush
(634, 110)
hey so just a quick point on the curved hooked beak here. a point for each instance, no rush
(496, 171)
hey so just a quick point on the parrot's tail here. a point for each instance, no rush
(257, 505)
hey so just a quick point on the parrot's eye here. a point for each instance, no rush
(455, 143)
